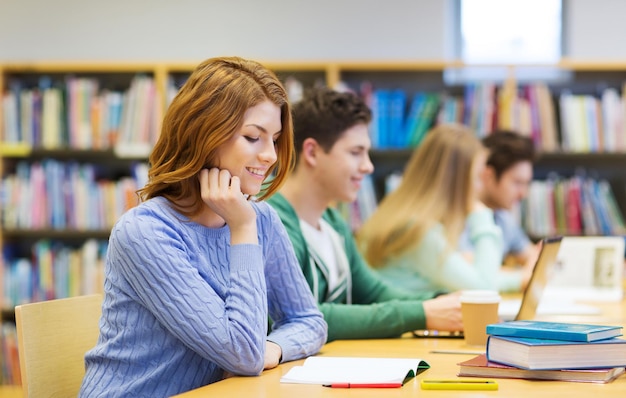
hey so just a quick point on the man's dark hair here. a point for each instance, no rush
(324, 114)
(506, 149)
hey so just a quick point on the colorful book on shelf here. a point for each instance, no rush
(620, 140)
(580, 137)
(380, 118)
(450, 111)
(10, 371)
(554, 330)
(611, 118)
(599, 208)
(425, 119)
(479, 366)
(617, 219)
(413, 115)
(566, 122)
(51, 118)
(560, 215)
(590, 222)
(527, 353)
(548, 131)
(573, 206)
(591, 112)
(534, 117)
(397, 103)
(355, 370)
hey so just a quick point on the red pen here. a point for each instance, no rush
(364, 385)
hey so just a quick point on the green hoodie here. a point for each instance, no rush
(377, 310)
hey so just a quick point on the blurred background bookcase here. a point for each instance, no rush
(74, 143)
(116, 162)
(575, 116)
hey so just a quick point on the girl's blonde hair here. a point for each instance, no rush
(436, 188)
(206, 112)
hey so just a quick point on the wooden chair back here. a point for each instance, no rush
(53, 337)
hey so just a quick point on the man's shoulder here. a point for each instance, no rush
(515, 238)
(506, 218)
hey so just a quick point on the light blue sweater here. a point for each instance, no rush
(181, 305)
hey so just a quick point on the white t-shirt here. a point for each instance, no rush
(321, 241)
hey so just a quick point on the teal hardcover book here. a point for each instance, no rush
(554, 330)
(527, 353)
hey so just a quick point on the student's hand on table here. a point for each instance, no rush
(273, 354)
(527, 272)
(533, 253)
(444, 312)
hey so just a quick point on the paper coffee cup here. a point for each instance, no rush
(479, 308)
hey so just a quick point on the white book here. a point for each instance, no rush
(611, 117)
(354, 370)
(11, 131)
(51, 119)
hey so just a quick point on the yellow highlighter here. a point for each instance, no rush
(458, 384)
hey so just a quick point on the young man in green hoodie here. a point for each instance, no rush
(332, 146)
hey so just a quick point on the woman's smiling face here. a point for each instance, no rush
(251, 151)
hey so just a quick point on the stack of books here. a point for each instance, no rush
(538, 350)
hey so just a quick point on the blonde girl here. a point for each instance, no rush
(412, 237)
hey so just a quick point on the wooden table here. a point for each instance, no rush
(10, 391)
(442, 366)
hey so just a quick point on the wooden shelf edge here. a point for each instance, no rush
(540, 155)
(14, 149)
(55, 233)
(8, 151)
(592, 65)
(11, 391)
(40, 66)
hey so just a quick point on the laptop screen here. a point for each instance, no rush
(539, 278)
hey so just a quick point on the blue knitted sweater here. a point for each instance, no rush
(181, 305)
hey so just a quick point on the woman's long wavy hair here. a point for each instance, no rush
(436, 188)
(207, 111)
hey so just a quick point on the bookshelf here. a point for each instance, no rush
(114, 158)
(75, 137)
(596, 165)
(562, 153)
(74, 142)
(114, 155)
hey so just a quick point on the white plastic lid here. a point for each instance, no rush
(480, 296)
